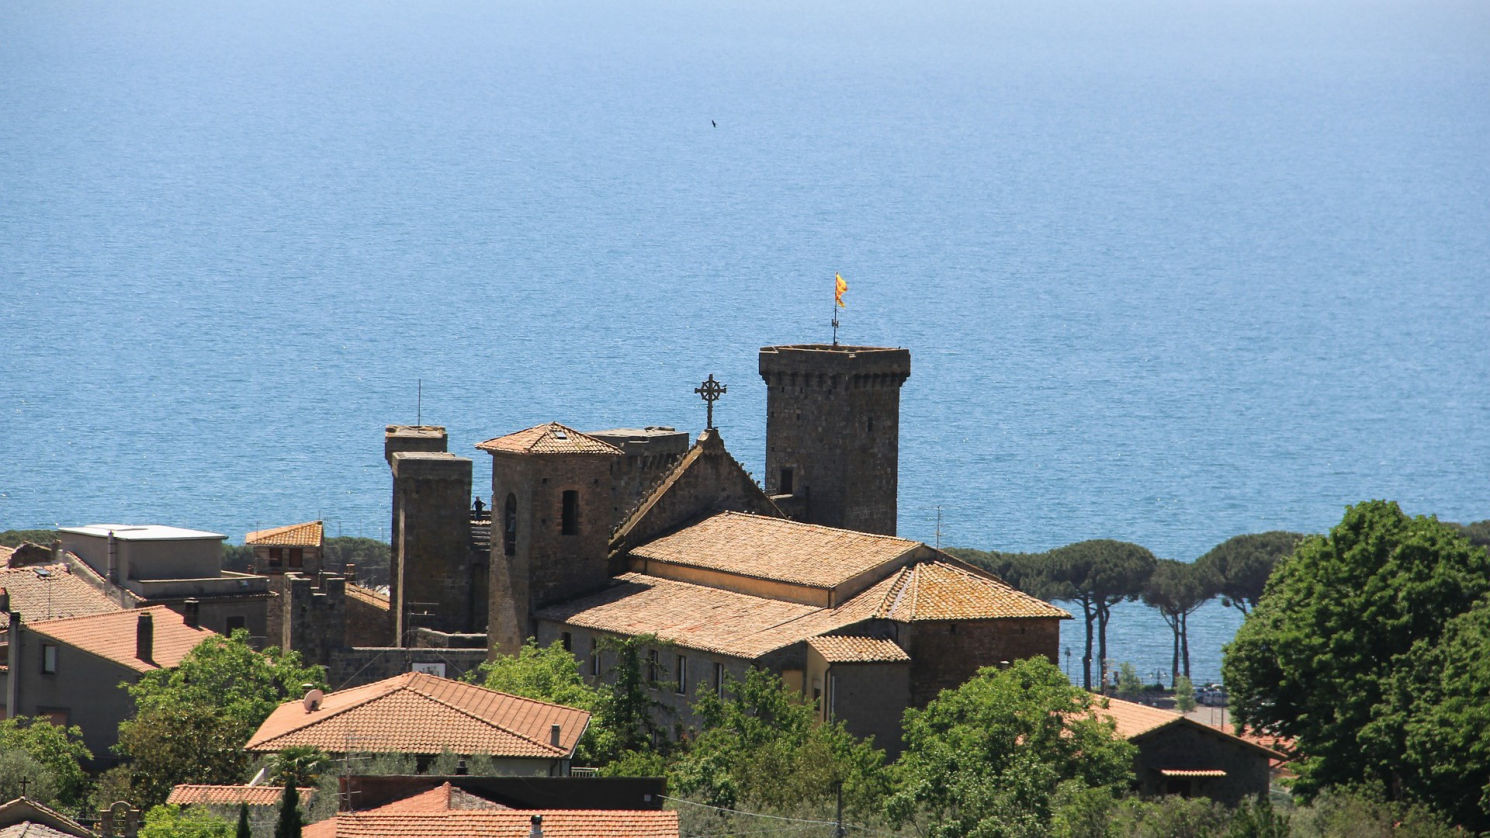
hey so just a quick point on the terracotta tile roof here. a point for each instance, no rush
(1134, 720)
(941, 590)
(552, 438)
(839, 649)
(775, 548)
(701, 617)
(28, 829)
(5, 553)
(441, 798)
(58, 594)
(112, 636)
(25, 818)
(368, 595)
(204, 795)
(513, 823)
(418, 713)
(311, 534)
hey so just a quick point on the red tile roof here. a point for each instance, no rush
(513, 823)
(54, 596)
(941, 590)
(417, 713)
(1135, 720)
(552, 438)
(838, 649)
(205, 795)
(441, 798)
(311, 534)
(112, 636)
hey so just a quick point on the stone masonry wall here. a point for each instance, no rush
(946, 654)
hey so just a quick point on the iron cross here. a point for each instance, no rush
(710, 390)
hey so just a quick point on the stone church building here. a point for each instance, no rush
(635, 532)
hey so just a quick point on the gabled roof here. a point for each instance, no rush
(500, 823)
(1135, 721)
(25, 818)
(207, 795)
(944, 590)
(551, 438)
(706, 480)
(840, 649)
(112, 636)
(441, 798)
(310, 534)
(418, 713)
(51, 592)
(775, 548)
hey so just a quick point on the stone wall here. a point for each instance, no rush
(369, 621)
(363, 665)
(431, 570)
(946, 654)
(1190, 745)
(313, 617)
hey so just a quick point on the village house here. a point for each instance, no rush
(1178, 755)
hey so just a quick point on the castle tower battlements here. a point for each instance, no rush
(833, 432)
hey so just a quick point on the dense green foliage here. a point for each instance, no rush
(1176, 590)
(54, 755)
(762, 746)
(191, 722)
(370, 555)
(996, 756)
(15, 538)
(301, 765)
(289, 823)
(1359, 652)
(1239, 567)
(171, 821)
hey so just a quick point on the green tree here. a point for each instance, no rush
(1097, 575)
(1184, 694)
(181, 744)
(288, 825)
(59, 750)
(243, 830)
(1238, 568)
(171, 821)
(1129, 685)
(370, 555)
(1176, 590)
(763, 747)
(997, 755)
(547, 673)
(1346, 626)
(299, 765)
(22, 775)
(15, 538)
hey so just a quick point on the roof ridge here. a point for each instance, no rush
(331, 714)
(825, 527)
(34, 625)
(530, 700)
(557, 750)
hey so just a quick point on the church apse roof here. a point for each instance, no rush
(551, 438)
(776, 549)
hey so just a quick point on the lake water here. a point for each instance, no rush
(1169, 271)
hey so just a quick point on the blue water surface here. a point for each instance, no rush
(1169, 271)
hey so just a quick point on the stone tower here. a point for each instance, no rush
(430, 573)
(551, 522)
(833, 433)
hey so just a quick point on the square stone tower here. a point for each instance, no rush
(833, 433)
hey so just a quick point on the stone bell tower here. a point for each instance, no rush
(833, 433)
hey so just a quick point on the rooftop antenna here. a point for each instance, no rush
(419, 406)
(938, 526)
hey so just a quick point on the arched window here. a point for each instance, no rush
(509, 526)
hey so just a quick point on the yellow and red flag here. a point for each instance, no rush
(839, 286)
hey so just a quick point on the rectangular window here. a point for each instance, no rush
(568, 640)
(569, 524)
(595, 656)
(55, 715)
(235, 623)
(48, 659)
(719, 679)
(297, 557)
(786, 482)
(276, 557)
(652, 667)
(680, 675)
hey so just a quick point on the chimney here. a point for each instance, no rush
(56, 550)
(553, 735)
(192, 612)
(537, 828)
(145, 637)
(351, 573)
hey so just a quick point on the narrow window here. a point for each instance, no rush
(719, 679)
(595, 656)
(570, 522)
(509, 526)
(276, 557)
(652, 667)
(297, 557)
(786, 482)
(48, 659)
(568, 641)
(828, 705)
(680, 675)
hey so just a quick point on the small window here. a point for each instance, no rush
(509, 526)
(719, 679)
(680, 675)
(595, 656)
(786, 482)
(276, 557)
(48, 659)
(297, 557)
(235, 623)
(569, 524)
(568, 640)
(54, 715)
(652, 667)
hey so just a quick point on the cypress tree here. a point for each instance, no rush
(289, 813)
(243, 830)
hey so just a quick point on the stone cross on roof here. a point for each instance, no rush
(710, 391)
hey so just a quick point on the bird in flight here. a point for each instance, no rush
(713, 123)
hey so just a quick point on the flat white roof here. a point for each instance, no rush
(143, 532)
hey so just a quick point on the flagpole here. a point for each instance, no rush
(835, 309)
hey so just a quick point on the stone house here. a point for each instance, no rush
(1178, 755)
(73, 669)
